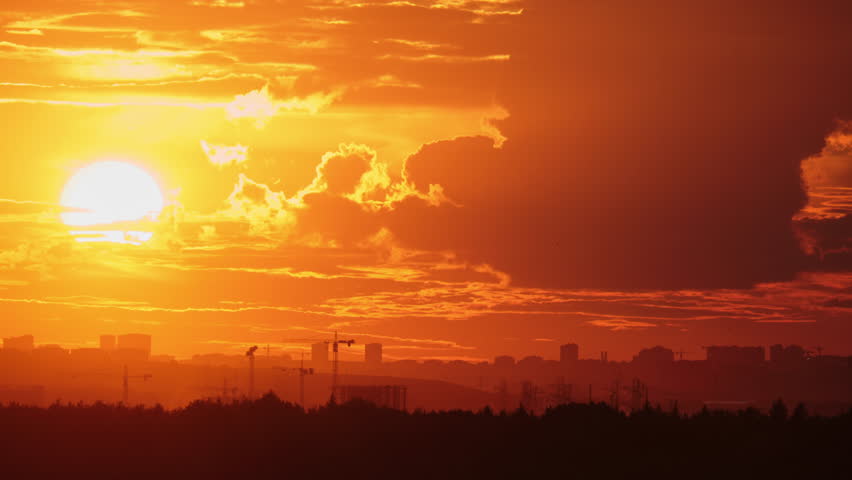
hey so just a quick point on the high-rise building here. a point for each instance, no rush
(51, 355)
(88, 357)
(373, 353)
(504, 361)
(24, 343)
(570, 352)
(531, 361)
(654, 356)
(791, 354)
(136, 342)
(319, 354)
(735, 355)
(108, 342)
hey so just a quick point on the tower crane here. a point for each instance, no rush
(301, 372)
(335, 344)
(335, 348)
(250, 355)
(125, 394)
(125, 380)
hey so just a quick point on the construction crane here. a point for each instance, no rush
(301, 372)
(250, 355)
(126, 383)
(335, 344)
(125, 380)
(334, 368)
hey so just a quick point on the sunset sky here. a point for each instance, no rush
(454, 179)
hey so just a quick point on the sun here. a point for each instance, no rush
(112, 201)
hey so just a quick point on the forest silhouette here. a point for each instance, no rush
(214, 439)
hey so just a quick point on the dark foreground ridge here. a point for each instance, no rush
(211, 439)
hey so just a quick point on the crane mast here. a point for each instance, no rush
(335, 358)
(250, 355)
(125, 384)
(335, 351)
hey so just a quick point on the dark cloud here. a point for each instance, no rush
(829, 240)
(650, 145)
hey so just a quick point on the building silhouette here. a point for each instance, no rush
(51, 354)
(108, 342)
(531, 361)
(731, 355)
(133, 347)
(791, 354)
(134, 341)
(24, 343)
(88, 358)
(504, 361)
(570, 352)
(373, 353)
(654, 355)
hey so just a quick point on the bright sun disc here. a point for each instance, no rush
(109, 193)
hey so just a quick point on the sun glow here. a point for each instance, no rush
(115, 201)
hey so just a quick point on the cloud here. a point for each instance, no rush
(621, 324)
(260, 106)
(340, 172)
(43, 257)
(75, 22)
(417, 44)
(824, 225)
(225, 155)
(31, 31)
(208, 233)
(256, 104)
(832, 167)
(435, 57)
(239, 36)
(217, 3)
(393, 81)
(638, 171)
(265, 210)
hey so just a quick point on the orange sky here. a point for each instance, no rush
(451, 178)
